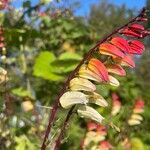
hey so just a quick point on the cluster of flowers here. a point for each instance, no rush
(4, 4)
(138, 109)
(135, 118)
(119, 51)
(96, 137)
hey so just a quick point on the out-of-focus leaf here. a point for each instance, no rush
(65, 63)
(42, 67)
(21, 92)
(137, 144)
(68, 55)
(23, 143)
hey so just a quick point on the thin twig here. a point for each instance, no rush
(72, 75)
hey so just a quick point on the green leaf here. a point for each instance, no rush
(137, 144)
(66, 62)
(21, 92)
(43, 69)
(68, 55)
(23, 143)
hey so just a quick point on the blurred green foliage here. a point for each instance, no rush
(44, 44)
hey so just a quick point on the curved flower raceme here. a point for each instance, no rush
(136, 117)
(119, 51)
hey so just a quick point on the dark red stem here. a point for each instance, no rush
(72, 75)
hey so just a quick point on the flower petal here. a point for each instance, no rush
(121, 43)
(97, 99)
(138, 110)
(77, 84)
(133, 122)
(71, 98)
(113, 81)
(84, 72)
(129, 32)
(98, 68)
(111, 50)
(136, 117)
(116, 69)
(89, 113)
(136, 47)
(136, 27)
(126, 61)
(91, 126)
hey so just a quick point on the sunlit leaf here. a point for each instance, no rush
(42, 67)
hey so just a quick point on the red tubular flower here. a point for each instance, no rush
(99, 68)
(116, 69)
(121, 43)
(136, 27)
(111, 50)
(126, 61)
(131, 33)
(105, 145)
(136, 47)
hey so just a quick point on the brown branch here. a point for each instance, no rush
(66, 84)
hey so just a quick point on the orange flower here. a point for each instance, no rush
(110, 50)
(126, 61)
(136, 47)
(121, 43)
(116, 69)
(98, 68)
